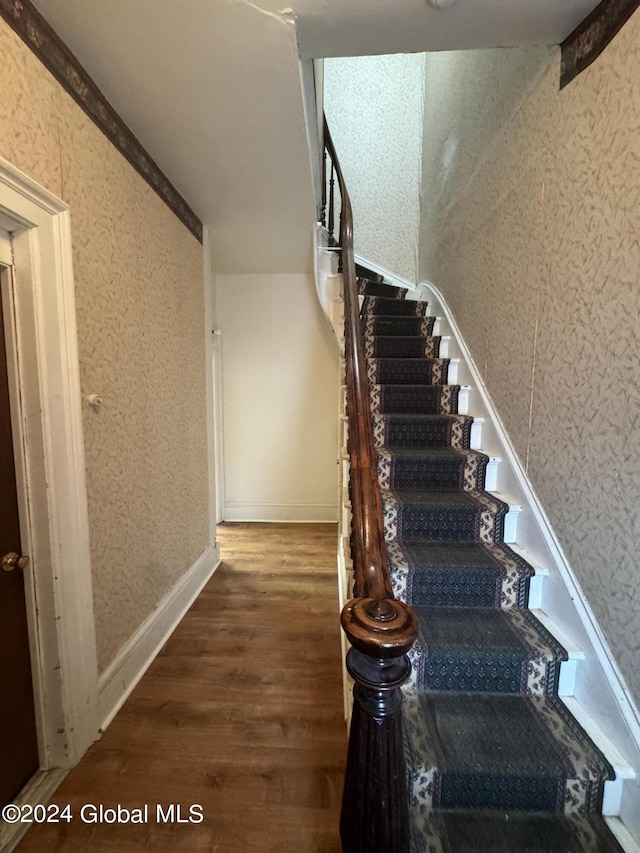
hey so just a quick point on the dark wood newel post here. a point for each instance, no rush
(375, 816)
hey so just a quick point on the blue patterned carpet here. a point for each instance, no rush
(496, 761)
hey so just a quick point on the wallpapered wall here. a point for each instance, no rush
(374, 110)
(139, 298)
(534, 242)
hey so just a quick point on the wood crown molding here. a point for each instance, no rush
(590, 37)
(34, 30)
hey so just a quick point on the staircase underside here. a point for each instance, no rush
(496, 761)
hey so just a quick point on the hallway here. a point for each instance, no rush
(241, 713)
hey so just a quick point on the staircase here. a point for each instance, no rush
(495, 760)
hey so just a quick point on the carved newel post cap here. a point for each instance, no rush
(384, 628)
(381, 611)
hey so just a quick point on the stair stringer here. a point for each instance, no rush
(599, 689)
(328, 281)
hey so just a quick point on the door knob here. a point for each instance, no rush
(12, 560)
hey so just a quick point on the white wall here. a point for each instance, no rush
(374, 107)
(280, 387)
(213, 91)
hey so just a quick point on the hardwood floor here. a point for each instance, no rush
(241, 713)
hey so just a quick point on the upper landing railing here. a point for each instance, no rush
(380, 628)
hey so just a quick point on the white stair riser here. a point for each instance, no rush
(612, 798)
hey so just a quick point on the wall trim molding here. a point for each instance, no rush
(212, 389)
(138, 653)
(38, 791)
(50, 468)
(40, 37)
(591, 36)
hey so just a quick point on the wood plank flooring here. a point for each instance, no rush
(241, 713)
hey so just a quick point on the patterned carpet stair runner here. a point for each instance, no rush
(496, 761)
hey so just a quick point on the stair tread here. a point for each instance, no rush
(441, 515)
(397, 321)
(398, 324)
(500, 736)
(441, 453)
(484, 649)
(465, 831)
(422, 370)
(432, 468)
(424, 417)
(469, 556)
(391, 385)
(458, 573)
(390, 360)
(363, 271)
(367, 287)
(391, 398)
(424, 430)
(393, 298)
(485, 629)
(382, 306)
(400, 338)
(402, 346)
(442, 499)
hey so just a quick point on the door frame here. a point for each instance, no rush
(42, 354)
(213, 368)
(218, 423)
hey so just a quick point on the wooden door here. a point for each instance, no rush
(18, 736)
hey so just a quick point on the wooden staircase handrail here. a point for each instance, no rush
(380, 628)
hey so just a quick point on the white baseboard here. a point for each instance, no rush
(625, 839)
(37, 792)
(135, 657)
(275, 512)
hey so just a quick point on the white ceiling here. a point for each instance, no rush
(366, 27)
(212, 89)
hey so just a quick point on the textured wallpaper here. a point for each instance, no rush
(139, 300)
(533, 238)
(374, 108)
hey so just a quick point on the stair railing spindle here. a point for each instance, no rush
(323, 209)
(331, 199)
